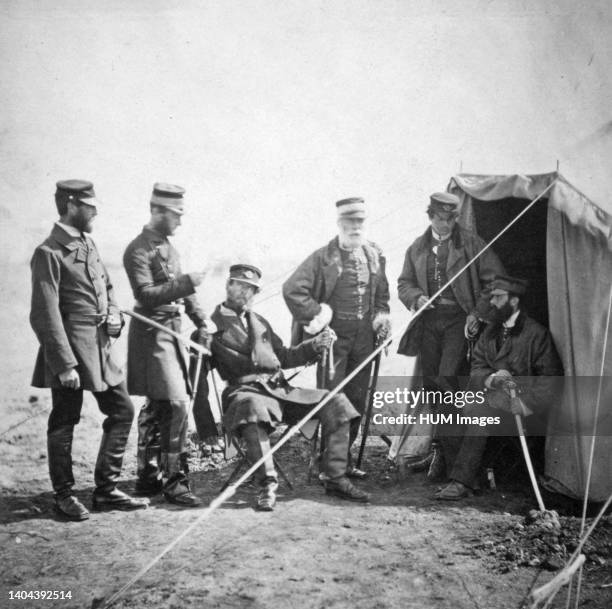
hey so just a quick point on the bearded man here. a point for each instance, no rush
(514, 354)
(158, 364)
(75, 316)
(250, 357)
(343, 285)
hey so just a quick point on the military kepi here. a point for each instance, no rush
(246, 273)
(77, 190)
(170, 196)
(503, 284)
(443, 202)
(353, 207)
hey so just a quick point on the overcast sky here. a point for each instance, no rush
(269, 111)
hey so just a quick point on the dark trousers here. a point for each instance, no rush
(443, 348)
(443, 361)
(202, 414)
(115, 403)
(162, 432)
(354, 344)
(464, 453)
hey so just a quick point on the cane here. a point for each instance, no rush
(366, 427)
(521, 432)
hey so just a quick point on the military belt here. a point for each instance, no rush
(271, 378)
(95, 319)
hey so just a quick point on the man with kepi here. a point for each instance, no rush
(250, 357)
(75, 318)
(158, 363)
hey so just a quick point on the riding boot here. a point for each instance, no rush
(334, 463)
(148, 453)
(257, 445)
(108, 469)
(173, 431)
(59, 449)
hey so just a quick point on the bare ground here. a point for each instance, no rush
(402, 550)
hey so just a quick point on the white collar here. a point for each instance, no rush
(439, 237)
(509, 323)
(71, 230)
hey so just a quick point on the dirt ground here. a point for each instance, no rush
(402, 550)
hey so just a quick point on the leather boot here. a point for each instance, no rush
(176, 487)
(59, 450)
(71, 508)
(148, 452)
(351, 470)
(173, 434)
(108, 468)
(257, 445)
(334, 463)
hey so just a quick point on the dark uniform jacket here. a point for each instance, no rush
(469, 288)
(71, 296)
(250, 360)
(313, 282)
(528, 354)
(157, 363)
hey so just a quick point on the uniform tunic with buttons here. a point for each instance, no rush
(71, 297)
(158, 364)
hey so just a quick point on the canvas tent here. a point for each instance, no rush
(563, 246)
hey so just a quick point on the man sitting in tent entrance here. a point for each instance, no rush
(514, 356)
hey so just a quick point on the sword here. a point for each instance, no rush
(368, 413)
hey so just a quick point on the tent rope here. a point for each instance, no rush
(593, 439)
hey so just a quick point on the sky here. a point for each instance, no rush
(267, 112)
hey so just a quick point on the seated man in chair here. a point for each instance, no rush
(250, 358)
(514, 356)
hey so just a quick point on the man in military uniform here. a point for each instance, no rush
(250, 357)
(514, 354)
(74, 316)
(158, 365)
(440, 335)
(344, 285)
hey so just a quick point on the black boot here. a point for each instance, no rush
(258, 444)
(148, 452)
(176, 487)
(334, 462)
(59, 450)
(108, 468)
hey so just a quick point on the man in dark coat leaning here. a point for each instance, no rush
(440, 335)
(250, 357)
(343, 285)
(75, 317)
(158, 364)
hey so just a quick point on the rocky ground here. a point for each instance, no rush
(403, 550)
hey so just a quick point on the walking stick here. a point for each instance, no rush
(521, 433)
(366, 427)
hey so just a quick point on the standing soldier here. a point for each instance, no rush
(74, 316)
(158, 365)
(439, 336)
(344, 285)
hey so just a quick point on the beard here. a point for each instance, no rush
(351, 241)
(83, 223)
(502, 314)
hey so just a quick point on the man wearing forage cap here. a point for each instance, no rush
(158, 365)
(514, 355)
(75, 316)
(250, 357)
(440, 335)
(344, 285)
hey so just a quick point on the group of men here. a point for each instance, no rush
(339, 300)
